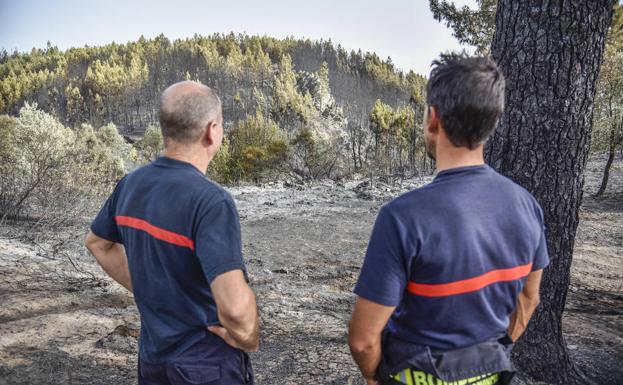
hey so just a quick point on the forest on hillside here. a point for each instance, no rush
(289, 105)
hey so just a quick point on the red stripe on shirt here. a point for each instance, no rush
(155, 231)
(471, 284)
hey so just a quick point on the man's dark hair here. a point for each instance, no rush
(468, 94)
(183, 115)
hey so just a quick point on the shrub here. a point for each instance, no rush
(315, 156)
(257, 149)
(219, 168)
(150, 145)
(50, 172)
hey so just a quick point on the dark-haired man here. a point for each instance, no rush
(172, 236)
(452, 271)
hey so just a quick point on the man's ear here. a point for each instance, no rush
(207, 139)
(433, 122)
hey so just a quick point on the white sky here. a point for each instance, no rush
(402, 29)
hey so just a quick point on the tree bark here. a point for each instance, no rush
(550, 53)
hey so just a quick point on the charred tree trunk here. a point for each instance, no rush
(611, 153)
(550, 53)
(604, 180)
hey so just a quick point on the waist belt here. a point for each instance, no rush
(486, 358)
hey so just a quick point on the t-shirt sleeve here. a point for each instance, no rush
(217, 240)
(541, 257)
(383, 276)
(104, 225)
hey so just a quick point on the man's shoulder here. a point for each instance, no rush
(137, 173)
(412, 199)
(210, 194)
(189, 181)
(211, 189)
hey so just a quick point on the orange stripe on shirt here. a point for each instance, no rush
(470, 284)
(155, 231)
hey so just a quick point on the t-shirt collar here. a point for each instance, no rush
(165, 161)
(461, 170)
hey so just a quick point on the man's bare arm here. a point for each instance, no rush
(111, 257)
(527, 302)
(364, 335)
(237, 311)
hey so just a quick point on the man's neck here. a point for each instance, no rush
(453, 157)
(188, 156)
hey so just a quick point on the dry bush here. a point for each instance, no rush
(51, 174)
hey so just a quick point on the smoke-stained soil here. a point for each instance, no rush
(63, 322)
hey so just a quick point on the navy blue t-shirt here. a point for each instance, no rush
(180, 231)
(453, 256)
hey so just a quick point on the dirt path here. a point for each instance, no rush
(593, 321)
(303, 248)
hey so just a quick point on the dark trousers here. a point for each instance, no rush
(208, 362)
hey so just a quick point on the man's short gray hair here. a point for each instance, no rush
(185, 109)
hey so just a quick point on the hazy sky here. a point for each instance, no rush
(402, 29)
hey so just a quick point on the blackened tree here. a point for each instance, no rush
(550, 53)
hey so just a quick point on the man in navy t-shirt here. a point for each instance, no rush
(452, 271)
(172, 237)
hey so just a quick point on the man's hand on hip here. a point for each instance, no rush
(224, 334)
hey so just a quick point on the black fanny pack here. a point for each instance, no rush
(491, 356)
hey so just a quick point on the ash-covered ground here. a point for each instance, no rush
(63, 322)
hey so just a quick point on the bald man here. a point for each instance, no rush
(172, 237)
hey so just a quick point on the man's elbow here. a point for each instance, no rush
(246, 325)
(98, 247)
(242, 314)
(247, 331)
(244, 319)
(361, 346)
